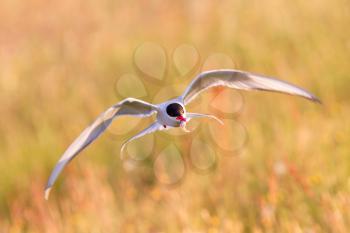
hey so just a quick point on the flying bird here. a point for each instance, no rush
(172, 113)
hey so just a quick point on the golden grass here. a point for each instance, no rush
(59, 61)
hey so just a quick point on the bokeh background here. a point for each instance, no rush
(59, 63)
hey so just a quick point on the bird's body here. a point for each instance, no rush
(172, 113)
(169, 111)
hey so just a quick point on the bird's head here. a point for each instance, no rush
(176, 110)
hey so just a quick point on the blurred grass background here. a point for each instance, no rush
(59, 61)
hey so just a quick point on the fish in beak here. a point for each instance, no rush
(183, 121)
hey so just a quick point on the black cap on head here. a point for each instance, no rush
(175, 110)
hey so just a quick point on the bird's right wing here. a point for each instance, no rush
(240, 80)
(129, 106)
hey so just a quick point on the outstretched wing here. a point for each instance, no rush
(243, 81)
(129, 106)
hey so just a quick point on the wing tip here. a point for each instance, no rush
(47, 193)
(122, 156)
(218, 120)
(315, 99)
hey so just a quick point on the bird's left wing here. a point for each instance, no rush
(129, 106)
(243, 81)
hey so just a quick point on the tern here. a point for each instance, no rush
(172, 113)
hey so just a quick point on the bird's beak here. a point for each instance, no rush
(183, 121)
(181, 118)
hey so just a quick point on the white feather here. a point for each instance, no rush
(240, 80)
(129, 106)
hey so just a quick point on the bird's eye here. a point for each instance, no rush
(175, 110)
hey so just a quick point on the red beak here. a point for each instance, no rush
(181, 118)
